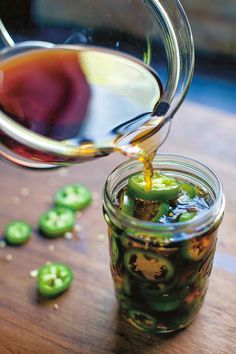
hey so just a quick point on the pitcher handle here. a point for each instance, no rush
(5, 36)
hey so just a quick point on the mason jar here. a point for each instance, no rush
(165, 289)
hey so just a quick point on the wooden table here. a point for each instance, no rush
(87, 318)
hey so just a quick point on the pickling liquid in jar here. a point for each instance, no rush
(91, 100)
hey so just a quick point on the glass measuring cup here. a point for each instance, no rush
(154, 33)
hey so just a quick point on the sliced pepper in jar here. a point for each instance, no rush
(186, 216)
(162, 210)
(127, 204)
(163, 188)
(148, 266)
(115, 251)
(189, 189)
(165, 302)
(197, 248)
(142, 320)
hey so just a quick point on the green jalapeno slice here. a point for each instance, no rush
(197, 248)
(164, 303)
(186, 216)
(142, 320)
(127, 204)
(56, 222)
(189, 189)
(17, 232)
(163, 188)
(53, 279)
(162, 210)
(148, 266)
(115, 251)
(75, 197)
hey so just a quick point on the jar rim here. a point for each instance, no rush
(202, 222)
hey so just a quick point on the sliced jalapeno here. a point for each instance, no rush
(186, 216)
(17, 232)
(188, 276)
(53, 279)
(163, 188)
(142, 320)
(189, 189)
(124, 301)
(164, 303)
(152, 289)
(162, 210)
(196, 248)
(148, 266)
(126, 285)
(55, 222)
(75, 197)
(115, 251)
(127, 204)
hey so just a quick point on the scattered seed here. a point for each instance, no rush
(96, 196)
(9, 257)
(16, 200)
(34, 273)
(24, 191)
(63, 172)
(2, 244)
(51, 248)
(101, 237)
(166, 241)
(192, 210)
(68, 235)
(201, 192)
(78, 228)
(55, 307)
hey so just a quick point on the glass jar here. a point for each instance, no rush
(185, 250)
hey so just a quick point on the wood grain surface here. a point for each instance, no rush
(87, 319)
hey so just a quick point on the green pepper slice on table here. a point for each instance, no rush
(53, 279)
(163, 188)
(127, 204)
(17, 232)
(148, 266)
(142, 320)
(55, 222)
(75, 197)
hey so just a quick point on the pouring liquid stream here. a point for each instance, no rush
(84, 100)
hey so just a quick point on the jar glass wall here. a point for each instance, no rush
(161, 271)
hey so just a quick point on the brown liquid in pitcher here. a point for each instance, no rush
(81, 98)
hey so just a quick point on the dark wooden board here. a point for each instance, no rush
(87, 319)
